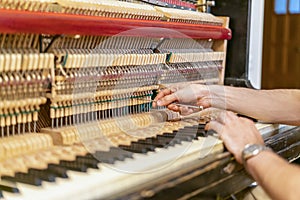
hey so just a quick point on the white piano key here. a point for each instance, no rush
(121, 175)
(112, 179)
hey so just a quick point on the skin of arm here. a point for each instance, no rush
(279, 179)
(274, 106)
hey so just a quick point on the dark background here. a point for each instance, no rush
(237, 49)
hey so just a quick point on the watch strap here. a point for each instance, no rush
(251, 150)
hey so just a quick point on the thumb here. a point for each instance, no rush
(167, 100)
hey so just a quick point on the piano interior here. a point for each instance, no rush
(78, 78)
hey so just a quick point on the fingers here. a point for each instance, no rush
(164, 98)
(204, 101)
(235, 132)
(174, 107)
(226, 117)
(161, 95)
(183, 110)
(215, 125)
(185, 94)
(167, 100)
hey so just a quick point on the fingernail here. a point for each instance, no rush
(159, 103)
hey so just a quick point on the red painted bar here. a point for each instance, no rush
(12, 21)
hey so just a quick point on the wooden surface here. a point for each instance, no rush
(281, 49)
(12, 21)
(256, 193)
(221, 45)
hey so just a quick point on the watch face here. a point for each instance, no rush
(251, 150)
(254, 148)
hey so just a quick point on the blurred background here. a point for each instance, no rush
(265, 49)
(281, 44)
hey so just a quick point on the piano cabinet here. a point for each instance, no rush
(76, 75)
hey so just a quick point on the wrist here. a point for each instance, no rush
(257, 162)
(252, 151)
(217, 96)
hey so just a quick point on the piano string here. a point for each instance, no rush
(72, 102)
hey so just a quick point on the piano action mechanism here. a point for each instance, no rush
(77, 82)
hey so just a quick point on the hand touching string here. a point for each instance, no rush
(193, 94)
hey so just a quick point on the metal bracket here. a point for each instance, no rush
(52, 40)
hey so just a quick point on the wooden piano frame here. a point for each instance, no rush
(217, 175)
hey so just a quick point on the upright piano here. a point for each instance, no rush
(78, 78)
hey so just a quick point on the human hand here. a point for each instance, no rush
(236, 132)
(192, 94)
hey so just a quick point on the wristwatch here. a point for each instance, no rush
(252, 150)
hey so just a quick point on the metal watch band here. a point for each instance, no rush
(252, 150)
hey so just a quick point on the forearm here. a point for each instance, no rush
(276, 106)
(280, 179)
